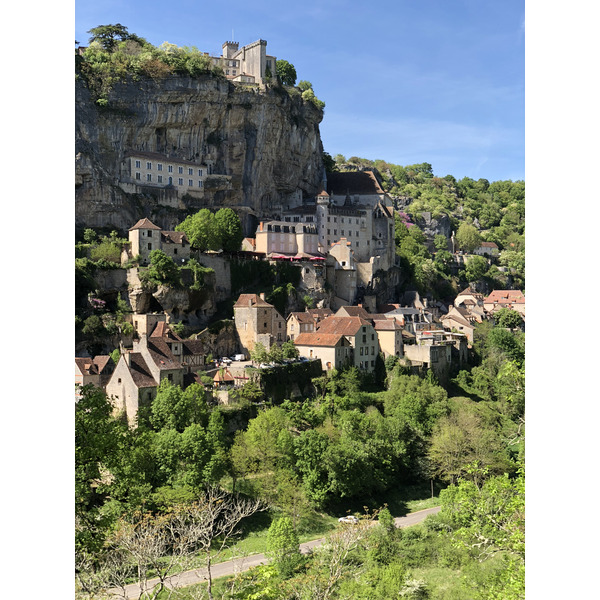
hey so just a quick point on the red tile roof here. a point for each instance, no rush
(506, 296)
(316, 338)
(144, 224)
(223, 375)
(174, 237)
(342, 325)
(246, 300)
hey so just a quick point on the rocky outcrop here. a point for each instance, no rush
(193, 308)
(263, 145)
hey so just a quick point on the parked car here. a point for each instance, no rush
(226, 361)
(349, 519)
(238, 357)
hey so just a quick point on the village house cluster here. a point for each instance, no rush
(340, 238)
(414, 333)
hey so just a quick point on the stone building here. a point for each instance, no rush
(333, 349)
(96, 370)
(258, 321)
(361, 335)
(153, 170)
(351, 207)
(513, 299)
(389, 334)
(282, 238)
(159, 354)
(248, 64)
(297, 323)
(145, 236)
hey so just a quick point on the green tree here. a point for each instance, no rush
(97, 442)
(506, 317)
(476, 268)
(283, 546)
(229, 229)
(108, 36)
(176, 409)
(467, 237)
(162, 270)
(259, 353)
(89, 236)
(463, 440)
(289, 350)
(201, 230)
(286, 72)
(304, 85)
(93, 327)
(108, 250)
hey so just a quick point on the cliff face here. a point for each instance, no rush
(263, 147)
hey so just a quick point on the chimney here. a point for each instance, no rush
(127, 357)
(262, 296)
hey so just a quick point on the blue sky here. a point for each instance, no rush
(404, 81)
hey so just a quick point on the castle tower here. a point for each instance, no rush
(230, 48)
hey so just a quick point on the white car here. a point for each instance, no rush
(349, 519)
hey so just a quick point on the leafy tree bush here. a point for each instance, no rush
(283, 546)
(107, 250)
(229, 228)
(161, 271)
(286, 72)
(468, 238)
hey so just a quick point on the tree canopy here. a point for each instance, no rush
(286, 72)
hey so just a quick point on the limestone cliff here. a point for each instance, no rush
(263, 145)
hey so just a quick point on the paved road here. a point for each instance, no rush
(231, 567)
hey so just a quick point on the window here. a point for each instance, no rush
(199, 172)
(199, 183)
(190, 171)
(149, 177)
(160, 179)
(149, 246)
(138, 176)
(190, 182)
(170, 376)
(149, 165)
(372, 363)
(361, 350)
(170, 168)
(364, 339)
(174, 250)
(119, 380)
(180, 170)
(159, 166)
(180, 181)
(265, 325)
(149, 233)
(342, 232)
